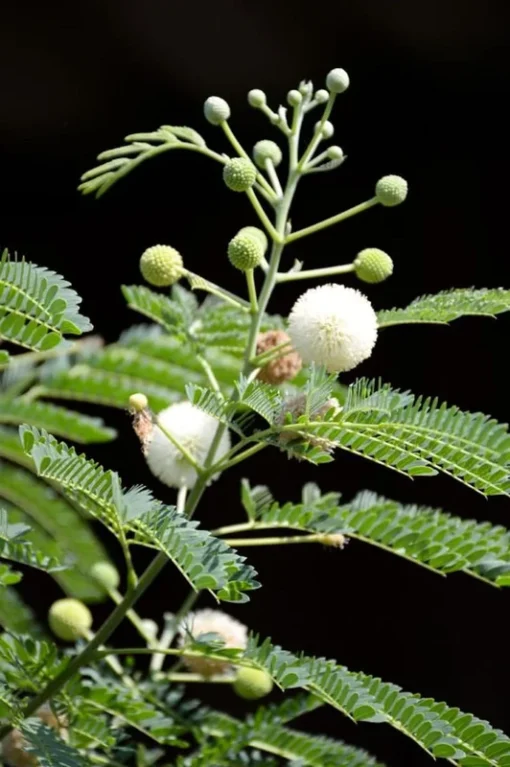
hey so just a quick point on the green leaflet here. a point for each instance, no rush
(449, 305)
(15, 615)
(48, 747)
(15, 547)
(37, 306)
(120, 161)
(429, 537)
(205, 561)
(414, 435)
(442, 731)
(65, 423)
(56, 529)
(272, 737)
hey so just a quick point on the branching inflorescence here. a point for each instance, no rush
(208, 386)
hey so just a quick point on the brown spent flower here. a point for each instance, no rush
(14, 744)
(283, 368)
(143, 425)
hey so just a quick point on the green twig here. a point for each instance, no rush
(331, 221)
(308, 274)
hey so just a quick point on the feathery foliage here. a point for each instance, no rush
(59, 421)
(48, 747)
(448, 305)
(117, 163)
(37, 306)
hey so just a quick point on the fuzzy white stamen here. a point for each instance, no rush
(233, 633)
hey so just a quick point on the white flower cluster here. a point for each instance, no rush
(233, 633)
(195, 431)
(333, 326)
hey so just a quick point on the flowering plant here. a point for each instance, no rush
(208, 385)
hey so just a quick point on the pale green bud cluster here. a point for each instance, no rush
(257, 234)
(321, 96)
(161, 265)
(294, 98)
(391, 190)
(257, 98)
(69, 619)
(373, 265)
(337, 81)
(267, 150)
(105, 574)
(252, 683)
(246, 249)
(216, 110)
(335, 153)
(239, 174)
(327, 129)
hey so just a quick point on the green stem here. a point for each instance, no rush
(308, 274)
(317, 136)
(28, 357)
(276, 540)
(252, 291)
(331, 221)
(261, 213)
(132, 616)
(200, 283)
(185, 678)
(268, 356)
(227, 464)
(213, 381)
(242, 153)
(273, 177)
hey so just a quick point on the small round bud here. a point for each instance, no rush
(373, 265)
(306, 88)
(327, 129)
(239, 174)
(257, 234)
(321, 96)
(337, 81)
(216, 110)
(151, 628)
(257, 98)
(161, 265)
(69, 619)
(294, 98)
(391, 190)
(286, 366)
(244, 252)
(105, 574)
(335, 153)
(267, 150)
(138, 402)
(252, 683)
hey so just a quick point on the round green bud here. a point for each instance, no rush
(373, 265)
(244, 252)
(391, 190)
(256, 234)
(321, 96)
(337, 81)
(335, 153)
(294, 98)
(252, 684)
(239, 174)
(216, 110)
(138, 402)
(69, 619)
(150, 627)
(267, 150)
(257, 98)
(306, 88)
(161, 265)
(105, 574)
(327, 129)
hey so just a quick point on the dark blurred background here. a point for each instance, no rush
(428, 99)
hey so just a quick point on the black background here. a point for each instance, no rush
(428, 96)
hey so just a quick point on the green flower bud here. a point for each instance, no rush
(391, 190)
(327, 129)
(252, 684)
(373, 265)
(216, 110)
(106, 574)
(335, 153)
(161, 265)
(256, 234)
(306, 88)
(138, 402)
(257, 98)
(69, 619)
(267, 150)
(337, 81)
(321, 96)
(239, 174)
(294, 98)
(245, 252)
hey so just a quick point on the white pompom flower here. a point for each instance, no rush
(333, 326)
(195, 431)
(233, 634)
